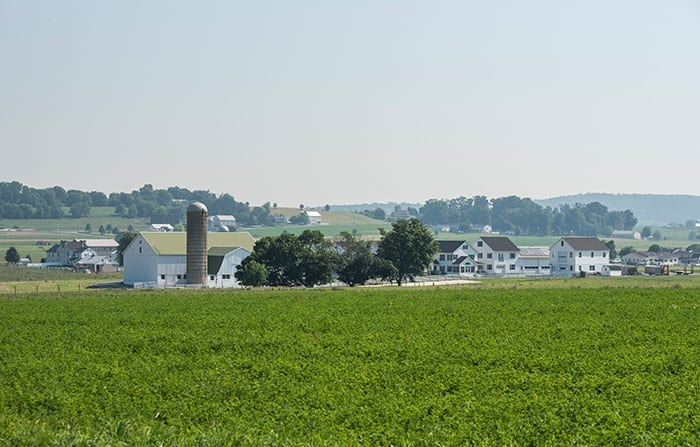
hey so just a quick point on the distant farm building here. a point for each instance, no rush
(314, 217)
(94, 255)
(161, 227)
(622, 234)
(221, 222)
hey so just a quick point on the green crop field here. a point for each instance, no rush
(571, 363)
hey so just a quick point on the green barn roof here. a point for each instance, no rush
(176, 243)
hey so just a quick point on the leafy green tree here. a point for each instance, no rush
(357, 262)
(80, 209)
(656, 235)
(655, 248)
(251, 273)
(409, 246)
(300, 219)
(88, 228)
(280, 256)
(317, 259)
(646, 232)
(101, 230)
(12, 255)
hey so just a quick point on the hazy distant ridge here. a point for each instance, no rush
(650, 209)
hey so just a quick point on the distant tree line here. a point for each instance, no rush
(510, 215)
(522, 216)
(18, 201)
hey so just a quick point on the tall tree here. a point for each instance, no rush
(357, 262)
(12, 255)
(409, 246)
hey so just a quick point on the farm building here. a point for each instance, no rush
(221, 222)
(575, 255)
(161, 227)
(621, 234)
(454, 258)
(156, 259)
(314, 217)
(496, 255)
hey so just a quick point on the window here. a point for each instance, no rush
(212, 277)
(162, 276)
(500, 256)
(580, 254)
(591, 268)
(225, 276)
(480, 243)
(562, 243)
(489, 267)
(512, 256)
(442, 256)
(489, 255)
(571, 254)
(512, 266)
(479, 255)
(604, 254)
(179, 276)
(592, 255)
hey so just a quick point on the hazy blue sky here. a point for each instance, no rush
(320, 102)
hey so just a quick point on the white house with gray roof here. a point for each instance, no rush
(157, 259)
(576, 255)
(496, 255)
(454, 258)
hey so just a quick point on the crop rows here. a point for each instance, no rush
(447, 366)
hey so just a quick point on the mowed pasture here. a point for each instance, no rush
(493, 366)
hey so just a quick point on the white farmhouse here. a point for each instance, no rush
(156, 259)
(496, 255)
(96, 255)
(533, 261)
(454, 258)
(576, 255)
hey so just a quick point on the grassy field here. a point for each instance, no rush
(503, 363)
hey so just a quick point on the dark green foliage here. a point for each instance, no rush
(357, 262)
(409, 246)
(251, 273)
(12, 255)
(447, 366)
(522, 216)
(290, 260)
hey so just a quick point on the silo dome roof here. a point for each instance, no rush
(197, 207)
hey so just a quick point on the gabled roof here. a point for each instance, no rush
(585, 243)
(499, 243)
(176, 243)
(215, 257)
(449, 246)
(461, 259)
